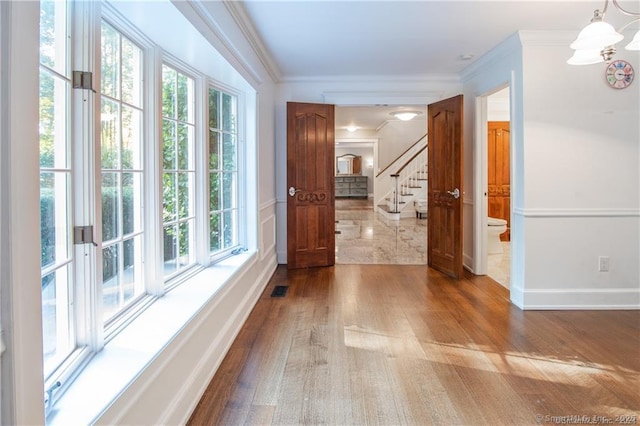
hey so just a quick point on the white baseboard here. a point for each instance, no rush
(576, 299)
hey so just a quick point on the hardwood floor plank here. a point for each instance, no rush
(405, 345)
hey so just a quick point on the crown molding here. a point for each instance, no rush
(199, 15)
(383, 97)
(241, 18)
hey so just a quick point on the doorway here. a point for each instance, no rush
(373, 137)
(497, 187)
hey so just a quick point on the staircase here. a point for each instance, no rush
(405, 181)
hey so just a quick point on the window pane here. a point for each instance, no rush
(110, 134)
(184, 145)
(54, 217)
(228, 113)
(214, 191)
(184, 206)
(168, 91)
(110, 206)
(214, 105)
(169, 144)
(47, 219)
(56, 323)
(110, 280)
(229, 152)
(215, 232)
(214, 151)
(53, 123)
(121, 275)
(230, 227)
(131, 202)
(131, 280)
(131, 138)
(229, 190)
(185, 95)
(131, 73)
(185, 241)
(169, 197)
(170, 249)
(53, 35)
(110, 71)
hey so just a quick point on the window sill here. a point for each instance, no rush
(127, 355)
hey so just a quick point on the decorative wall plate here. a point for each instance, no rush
(619, 74)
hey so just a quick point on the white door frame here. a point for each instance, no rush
(481, 179)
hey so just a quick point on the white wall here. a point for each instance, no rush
(575, 162)
(397, 136)
(581, 171)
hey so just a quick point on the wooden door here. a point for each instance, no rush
(310, 185)
(444, 241)
(499, 188)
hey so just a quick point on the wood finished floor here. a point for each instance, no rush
(404, 345)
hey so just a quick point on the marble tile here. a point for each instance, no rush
(499, 265)
(366, 237)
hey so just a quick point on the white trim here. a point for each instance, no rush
(269, 203)
(379, 97)
(269, 231)
(201, 17)
(574, 299)
(237, 11)
(577, 213)
(406, 78)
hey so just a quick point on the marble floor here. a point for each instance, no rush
(366, 237)
(499, 265)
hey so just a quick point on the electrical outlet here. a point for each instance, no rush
(603, 263)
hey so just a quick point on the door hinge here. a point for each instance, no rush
(83, 235)
(83, 80)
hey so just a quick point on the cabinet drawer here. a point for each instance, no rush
(359, 185)
(342, 185)
(358, 192)
(342, 192)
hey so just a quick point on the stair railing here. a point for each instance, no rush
(408, 167)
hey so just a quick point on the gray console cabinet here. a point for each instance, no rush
(351, 186)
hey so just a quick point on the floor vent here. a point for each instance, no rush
(279, 291)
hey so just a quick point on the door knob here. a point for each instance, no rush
(292, 191)
(455, 193)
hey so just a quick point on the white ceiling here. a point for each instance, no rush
(323, 39)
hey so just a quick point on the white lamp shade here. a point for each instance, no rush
(596, 35)
(585, 57)
(635, 43)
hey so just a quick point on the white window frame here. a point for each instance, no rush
(92, 334)
(241, 194)
(175, 278)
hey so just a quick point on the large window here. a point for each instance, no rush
(126, 209)
(223, 172)
(55, 185)
(178, 179)
(122, 178)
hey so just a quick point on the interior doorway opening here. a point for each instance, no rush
(497, 173)
(368, 139)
